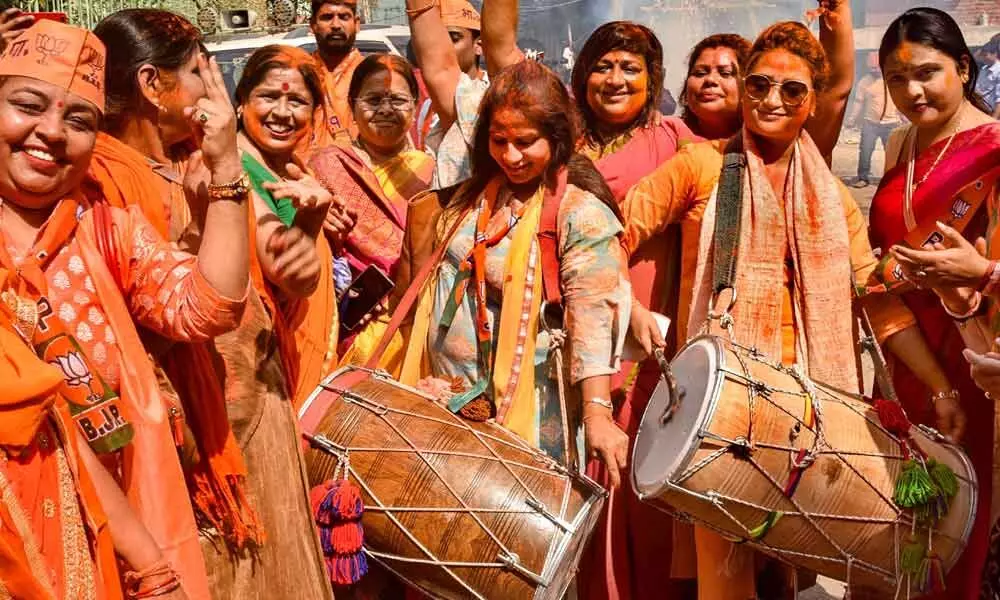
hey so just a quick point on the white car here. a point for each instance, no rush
(232, 51)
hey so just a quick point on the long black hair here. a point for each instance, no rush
(936, 29)
(136, 37)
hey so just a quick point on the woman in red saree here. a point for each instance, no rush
(942, 169)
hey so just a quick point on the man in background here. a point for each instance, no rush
(877, 115)
(463, 23)
(988, 83)
(335, 24)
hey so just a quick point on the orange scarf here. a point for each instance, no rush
(336, 123)
(217, 481)
(808, 225)
(31, 395)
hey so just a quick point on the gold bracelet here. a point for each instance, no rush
(949, 395)
(236, 190)
(413, 13)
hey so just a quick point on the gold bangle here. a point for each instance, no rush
(236, 190)
(949, 395)
(413, 13)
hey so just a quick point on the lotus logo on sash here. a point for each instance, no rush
(74, 369)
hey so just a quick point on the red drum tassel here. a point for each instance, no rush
(347, 569)
(892, 417)
(346, 538)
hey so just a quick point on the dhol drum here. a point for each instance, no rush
(799, 470)
(456, 509)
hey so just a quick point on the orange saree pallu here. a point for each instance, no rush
(216, 481)
(959, 190)
(54, 540)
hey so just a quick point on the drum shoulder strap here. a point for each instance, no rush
(548, 240)
(728, 213)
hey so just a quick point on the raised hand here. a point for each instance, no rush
(12, 24)
(214, 119)
(338, 223)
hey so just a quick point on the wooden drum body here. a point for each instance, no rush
(725, 458)
(457, 509)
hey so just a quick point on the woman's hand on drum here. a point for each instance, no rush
(985, 370)
(605, 440)
(440, 389)
(950, 417)
(951, 263)
(644, 328)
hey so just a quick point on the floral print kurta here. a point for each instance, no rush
(596, 297)
(166, 293)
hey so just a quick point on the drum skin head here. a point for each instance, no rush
(662, 450)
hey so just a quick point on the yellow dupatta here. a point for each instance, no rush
(522, 415)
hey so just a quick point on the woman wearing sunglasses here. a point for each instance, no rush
(942, 174)
(801, 242)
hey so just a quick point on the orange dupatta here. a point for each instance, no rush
(30, 397)
(216, 482)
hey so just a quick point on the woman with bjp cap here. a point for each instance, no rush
(261, 545)
(80, 274)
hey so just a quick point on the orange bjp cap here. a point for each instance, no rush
(460, 13)
(63, 55)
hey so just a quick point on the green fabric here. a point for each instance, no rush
(259, 174)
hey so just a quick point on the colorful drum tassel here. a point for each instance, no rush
(932, 575)
(911, 558)
(338, 508)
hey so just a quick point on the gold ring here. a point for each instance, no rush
(203, 117)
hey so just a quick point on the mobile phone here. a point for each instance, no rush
(51, 16)
(364, 294)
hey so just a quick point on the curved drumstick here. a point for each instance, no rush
(675, 393)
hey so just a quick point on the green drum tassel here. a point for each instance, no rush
(943, 477)
(912, 557)
(914, 487)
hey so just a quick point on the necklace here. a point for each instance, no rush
(911, 187)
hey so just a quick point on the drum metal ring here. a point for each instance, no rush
(729, 309)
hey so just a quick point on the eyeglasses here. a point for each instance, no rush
(397, 103)
(793, 92)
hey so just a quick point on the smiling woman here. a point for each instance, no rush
(801, 242)
(375, 178)
(941, 180)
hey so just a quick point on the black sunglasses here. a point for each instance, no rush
(793, 92)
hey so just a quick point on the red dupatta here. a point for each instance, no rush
(953, 193)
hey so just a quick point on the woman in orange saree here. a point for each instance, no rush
(941, 169)
(78, 274)
(375, 178)
(272, 551)
(803, 243)
(617, 82)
